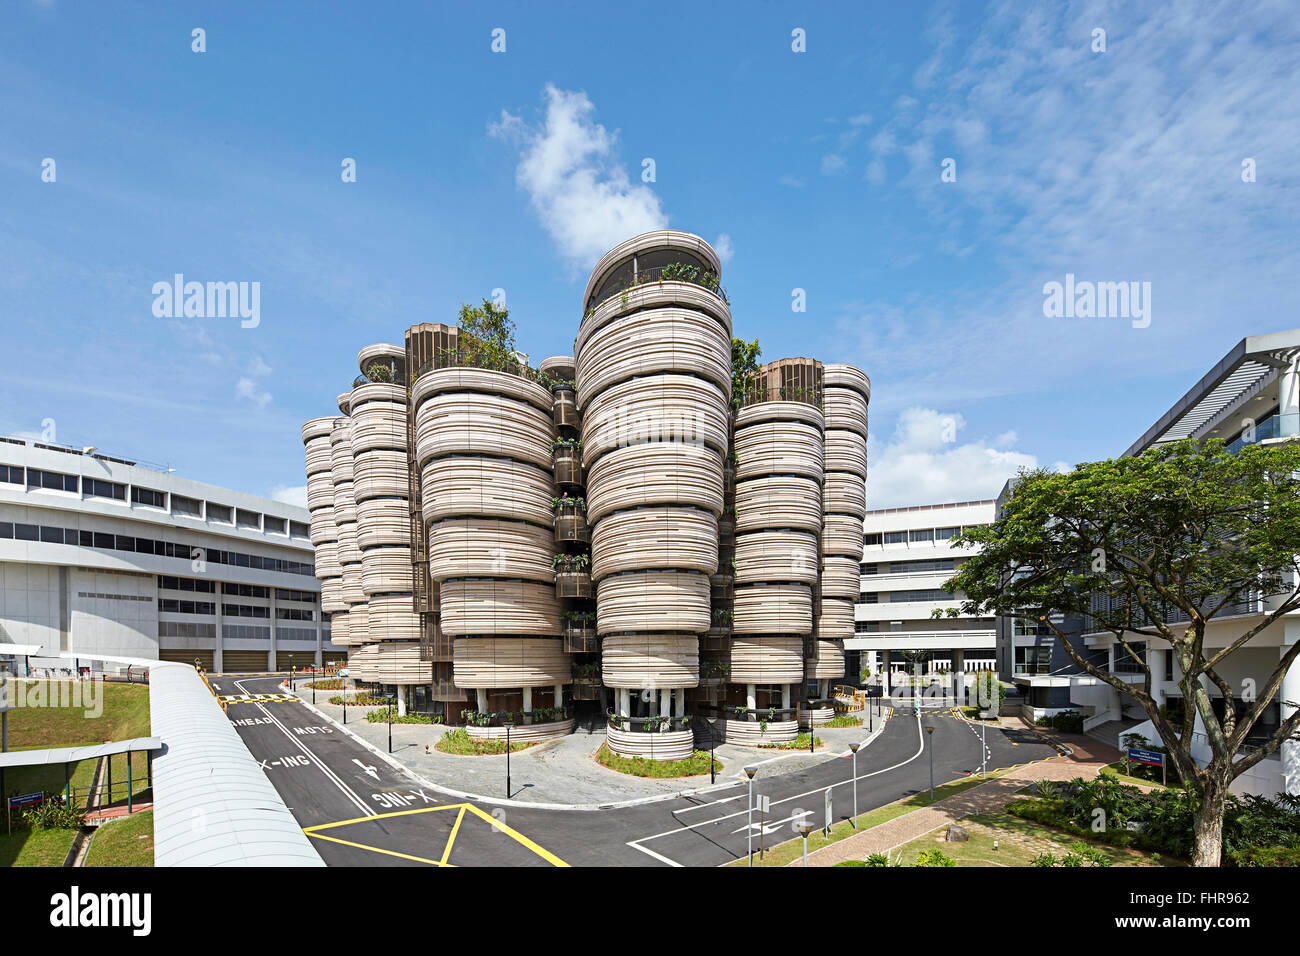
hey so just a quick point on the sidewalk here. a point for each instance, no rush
(1087, 761)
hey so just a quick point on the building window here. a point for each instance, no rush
(11, 474)
(247, 519)
(922, 534)
(94, 488)
(927, 594)
(147, 496)
(870, 569)
(298, 529)
(219, 513)
(186, 607)
(187, 506)
(895, 537)
(245, 590)
(50, 480)
(873, 538)
(1124, 663)
(946, 534)
(869, 597)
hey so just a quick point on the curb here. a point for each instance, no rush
(480, 798)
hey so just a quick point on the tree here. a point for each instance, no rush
(744, 366)
(1158, 546)
(487, 337)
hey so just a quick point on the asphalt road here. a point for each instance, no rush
(359, 811)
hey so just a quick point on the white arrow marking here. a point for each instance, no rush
(368, 769)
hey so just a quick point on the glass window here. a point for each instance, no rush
(186, 506)
(11, 474)
(6, 529)
(944, 534)
(895, 537)
(220, 513)
(26, 532)
(270, 523)
(921, 534)
(52, 535)
(147, 496)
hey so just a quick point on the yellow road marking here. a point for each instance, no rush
(455, 828)
(313, 831)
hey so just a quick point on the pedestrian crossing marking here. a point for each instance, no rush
(255, 698)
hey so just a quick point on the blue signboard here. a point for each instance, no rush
(26, 800)
(1138, 755)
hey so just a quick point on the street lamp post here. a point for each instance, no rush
(854, 748)
(345, 701)
(713, 776)
(391, 701)
(805, 827)
(929, 732)
(984, 750)
(508, 724)
(749, 772)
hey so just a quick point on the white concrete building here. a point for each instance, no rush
(101, 555)
(1250, 395)
(906, 558)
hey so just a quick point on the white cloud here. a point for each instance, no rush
(290, 494)
(570, 169)
(248, 389)
(924, 463)
(832, 163)
(723, 247)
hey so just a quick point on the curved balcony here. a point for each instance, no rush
(389, 662)
(488, 662)
(722, 587)
(779, 501)
(655, 537)
(486, 487)
(467, 379)
(392, 617)
(359, 620)
(345, 505)
(839, 375)
(379, 425)
(653, 340)
(841, 578)
(835, 622)
(489, 547)
(630, 738)
(580, 636)
(571, 526)
(819, 711)
(785, 380)
(648, 248)
(500, 607)
(566, 462)
(656, 408)
(829, 662)
(320, 490)
(842, 536)
(327, 561)
(318, 428)
(766, 659)
(844, 493)
(638, 661)
(386, 569)
(331, 594)
(339, 630)
(845, 408)
(383, 521)
(778, 555)
(380, 473)
(477, 423)
(324, 528)
(756, 728)
(846, 451)
(657, 473)
(778, 448)
(385, 355)
(318, 456)
(773, 609)
(653, 601)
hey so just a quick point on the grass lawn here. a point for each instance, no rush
(34, 847)
(125, 715)
(694, 765)
(125, 842)
(792, 849)
(1019, 842)
(799, 743)
(843, 720)
(1116, 770)
(460, 743)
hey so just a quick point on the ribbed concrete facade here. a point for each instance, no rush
(612, 534)
(653, 381)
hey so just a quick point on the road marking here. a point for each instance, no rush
(635, 844)
(455, 828)
(330, 774)
(367, 768)
(314, 831)
(255, 698)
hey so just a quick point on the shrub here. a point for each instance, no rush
(1266, 856)
(54, 814)
(934, 858)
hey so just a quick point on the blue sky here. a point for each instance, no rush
(479, 170)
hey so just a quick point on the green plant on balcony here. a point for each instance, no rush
(570, 563)
(566, 443)
(568, 505)
(742, 713)
(578, 618)
(378, 372)
(586, 672)
(722, 617)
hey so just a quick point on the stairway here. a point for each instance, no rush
(1109, 732)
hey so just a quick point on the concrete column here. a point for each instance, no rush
(751, 696)
(681, 702)
(528, 699)
(320, 634)
(624, 702)
(1156, 661)
(958, 662)
(1289, 400)
(217, 664)
(666, 703)
(403, 691)
(787, 694)
(559, 695)
(270, 658)
(482, 699)
(1290, 691)
(884, 671)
